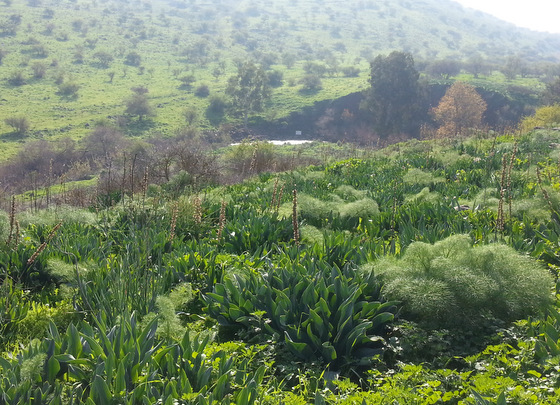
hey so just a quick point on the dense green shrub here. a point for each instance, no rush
(311, 209)
(14, 306)
(365, 208)
(424, 196)
(420, 177)
(320, 311)
(311, 235)
(453, 284)
(35, 325)
(349, 193)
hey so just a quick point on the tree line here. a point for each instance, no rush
(397, 101)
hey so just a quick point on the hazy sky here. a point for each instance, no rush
(539, 15)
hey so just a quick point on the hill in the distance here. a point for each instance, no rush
(68, 64)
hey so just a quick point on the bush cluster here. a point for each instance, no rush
(452, 284)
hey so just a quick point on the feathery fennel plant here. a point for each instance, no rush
(452, 284)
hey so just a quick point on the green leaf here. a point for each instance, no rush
(96, 349)
(298, 348)
(100, 392)
(66, 358)
(148, 334)
(322, 304)
(329, 352)
(319, 400)
(53, 331)
(220, 388)
(318, 323)
(501, 399)
(220, 299)
(380, 320)
(120, 381)
(74, 343)
(243, 397)
(53, 367)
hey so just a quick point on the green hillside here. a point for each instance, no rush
(423, 273)
(66, 65)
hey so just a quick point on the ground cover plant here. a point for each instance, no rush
(314, 285)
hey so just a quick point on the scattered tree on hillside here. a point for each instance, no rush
(3, 53)
(551, 94)
(187, 81)
(16, 78)
(68, 89)
(48, 13)
(103, 142)
(275, 78)
(394, 98)
(460, 108)
(19, 124)
(138, 103)
(248, 90)
(202, 91)
(315, 68)
(350, 71)
(133, 59)
(103, 59)
(216, 109)
(444, 68)
(311, 83)
(289, 59)
(191, 115)
(10, 26)
(39, 70)
(477, 65)
(513, 66)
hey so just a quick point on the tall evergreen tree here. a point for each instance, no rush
(394, 98)
(248, 90)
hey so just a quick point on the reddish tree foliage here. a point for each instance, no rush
(460, 109)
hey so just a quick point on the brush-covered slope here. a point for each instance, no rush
(67, 64)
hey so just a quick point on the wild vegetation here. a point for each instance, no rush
(90, 89)
(66, 65)
(145, 259)
(424, 272)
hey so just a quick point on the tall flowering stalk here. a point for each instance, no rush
(173, 221)
(279, 199)
(510, 194)
(501, 221)
(545, 193)
(12, 220)
(197, 215)
(43, 245)
(222, 221)
(295, 218)
(274, 193)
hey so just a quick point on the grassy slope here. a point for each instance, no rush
(162, 31)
